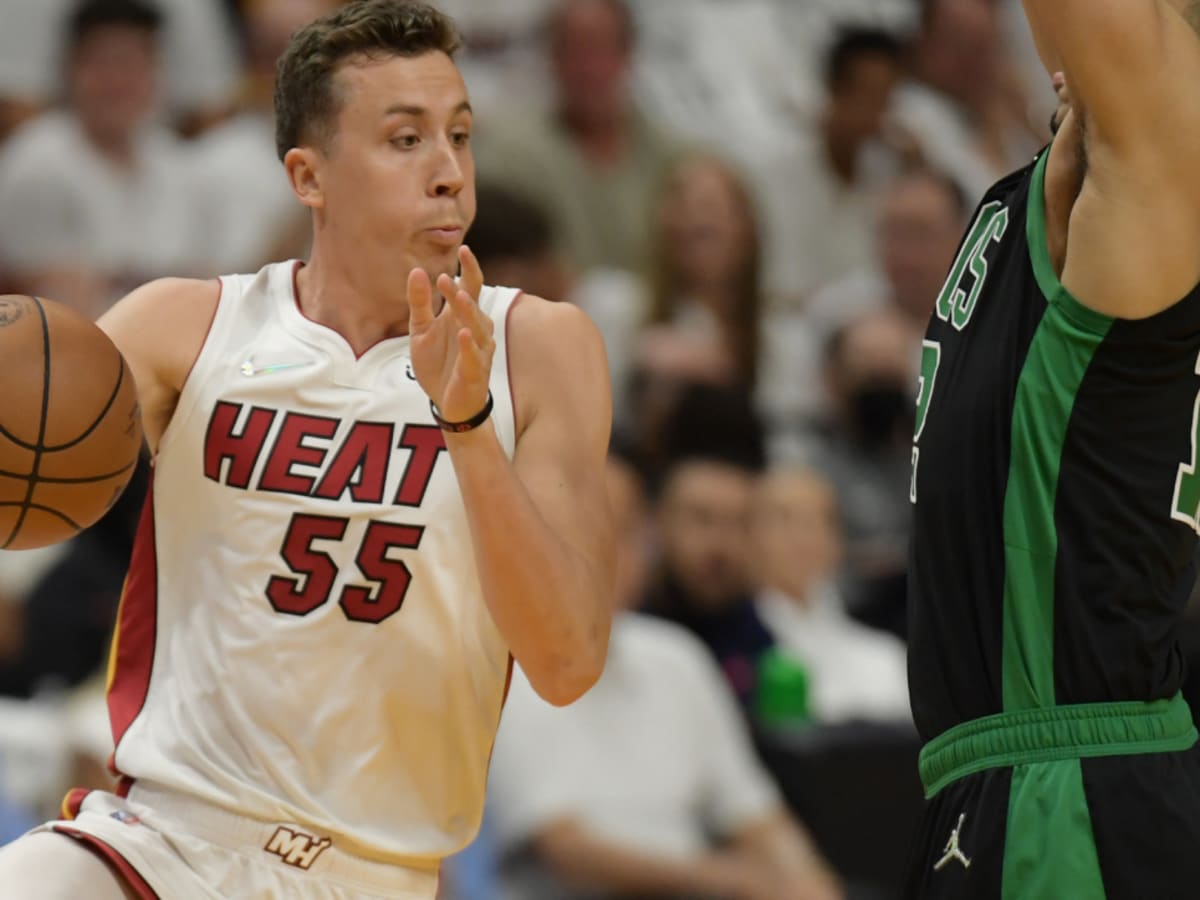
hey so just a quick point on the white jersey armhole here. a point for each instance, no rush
(499, 307)
(202, 365)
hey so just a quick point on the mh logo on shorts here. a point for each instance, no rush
(295, 847)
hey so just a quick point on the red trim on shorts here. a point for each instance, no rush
(512, 393)
(72, 802)
(114, 859)
(132, 656)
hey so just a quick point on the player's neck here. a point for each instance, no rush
(362, 310)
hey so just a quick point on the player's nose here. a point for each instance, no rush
(449, 175)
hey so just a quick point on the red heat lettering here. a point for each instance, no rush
(242, 450)
(290, 450)
(360, 465)
(426, 442)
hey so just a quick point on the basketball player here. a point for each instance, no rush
(373, 482)
(1057, 494)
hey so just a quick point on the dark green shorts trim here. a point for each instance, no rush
(1056, 733)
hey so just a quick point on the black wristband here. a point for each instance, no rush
(470, 424)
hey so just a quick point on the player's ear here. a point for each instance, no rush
(303, 170)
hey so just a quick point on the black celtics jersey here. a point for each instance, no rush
(1055, 486)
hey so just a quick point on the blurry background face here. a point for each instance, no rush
(270, 23)
(860, 98)
(920, 225)
(632, 528)
(871, 379)
(543, 276)
(113, 79)
(388, 180)
(796, 533)
(963, 51)
(707, 232)
(590, 55)
(704, 530)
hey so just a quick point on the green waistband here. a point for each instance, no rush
(1058, 732)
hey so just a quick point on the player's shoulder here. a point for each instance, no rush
(164, 297)
(555, 327)
(556, 357)
(167, 317)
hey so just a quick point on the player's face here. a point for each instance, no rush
(398, 177)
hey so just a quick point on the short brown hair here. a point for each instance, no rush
(306, 103)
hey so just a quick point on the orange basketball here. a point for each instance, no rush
(70, 427)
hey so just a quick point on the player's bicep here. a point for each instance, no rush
(159, 329)
(561, 452)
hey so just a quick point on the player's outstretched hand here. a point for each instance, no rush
(451, 350)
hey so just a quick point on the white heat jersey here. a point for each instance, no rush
(303, 637)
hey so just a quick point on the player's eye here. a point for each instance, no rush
(460, 138)
(405, 141)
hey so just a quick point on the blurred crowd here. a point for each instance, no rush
(757, 202)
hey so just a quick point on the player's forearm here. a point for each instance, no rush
(548, 600)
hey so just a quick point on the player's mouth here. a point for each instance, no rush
(446, 234)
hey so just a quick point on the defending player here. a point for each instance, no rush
(1056, 491)
(372, 484)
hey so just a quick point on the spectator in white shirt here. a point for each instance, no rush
(853, 672)
(819, 194)
(250, 215)
(618, 794)
(592, 160)
(93, 198)
(199, 57)
(966, 105)
(920, 222)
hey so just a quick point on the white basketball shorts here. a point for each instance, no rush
(172, 847)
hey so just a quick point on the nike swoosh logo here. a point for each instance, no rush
(249, 369)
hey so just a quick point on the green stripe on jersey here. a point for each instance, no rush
(1059, 355)
(1049, 848)
(1048, 816)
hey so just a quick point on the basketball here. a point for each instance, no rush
(70, 427)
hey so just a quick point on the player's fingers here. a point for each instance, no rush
(471, 358)
(469, 315)
(420, 301)
(447, 287)
(471, 277)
